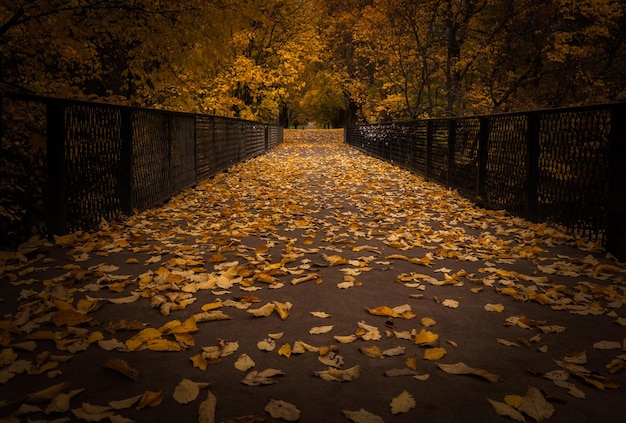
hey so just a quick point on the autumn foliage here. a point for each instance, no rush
(327, 61)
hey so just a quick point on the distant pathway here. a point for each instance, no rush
(317, 278)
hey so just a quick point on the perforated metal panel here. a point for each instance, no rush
(92, 164)
(506, 179)
(573, 186)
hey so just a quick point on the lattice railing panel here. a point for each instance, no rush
(438, 152)
(92, 164)
(573, 176)
(506, 165)
(182, 150)
(464, 166)
(151, 161)
(204, 147)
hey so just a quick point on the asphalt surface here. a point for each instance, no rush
(445, 283)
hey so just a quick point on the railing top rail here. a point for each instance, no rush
(54, 99)
(554, 110)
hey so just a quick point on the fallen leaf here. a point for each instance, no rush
(345, 339)
(244, 363)
(424, 337)
(506, 343)
(434, 354)
(535, 405)
(318, 330)
(265, 377)
(186, 391)
(372, 351)
(427, 322)
(283, 410)
(506, 410)
(125, 403)
(450, 303)
(150, 399)
(498, 308)
(382, 311)
(337, 375)
(463, 369)
(267, 344)
(285, 350)
(121, 366)
(206, 412)
(362, 416)
(403, 403)
(320, 314)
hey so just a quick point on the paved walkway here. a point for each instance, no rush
(320, 263)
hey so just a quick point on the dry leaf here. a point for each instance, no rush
(427, 322)
(498, 308)
(125, 403)
(434, 354)
(362, 416)
(206, 413)
(186, 391)
(320, 314)
(450, 303)
(263, 311)
(403, 403)
(265, 377)
(425, 337)
(150, 399)
(244, 363)
(506, 343)
(463, 369)
(283, 410)
(318, 330)
(506, 410)
(345, 339)
(535, 405)
(382, 311)
(122, 367)
(373, 351)
(285, 350)
(337, 375)
(267, 344)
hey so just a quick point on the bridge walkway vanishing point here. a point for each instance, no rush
(350, 269)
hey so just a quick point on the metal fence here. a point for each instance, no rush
(564, 166)
(106, 160)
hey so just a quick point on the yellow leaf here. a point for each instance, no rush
(211, 306)
(150, 399)
(373, 351)
(499, 308)
(425, 337)
(199, 362)
(285, 351)
(382, 311)
(163, 345)
(513, 400)
(434, 353)
(427, 322)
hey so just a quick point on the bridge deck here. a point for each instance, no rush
(316, 226)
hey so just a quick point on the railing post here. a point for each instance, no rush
(126, 177)
(57, 171)
(532, 166)
(266, 135)
(429, 147)
(483, 157)
(616, 214)
(451, 150)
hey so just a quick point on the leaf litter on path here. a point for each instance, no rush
(309, 216)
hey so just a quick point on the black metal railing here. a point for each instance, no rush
(563, 166)
(107, 160)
